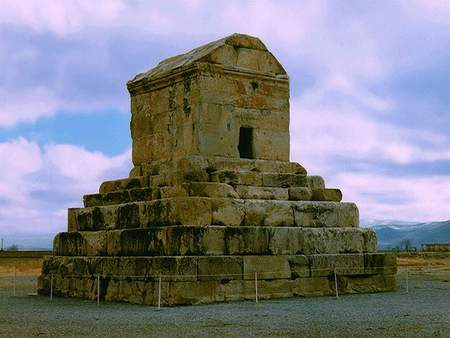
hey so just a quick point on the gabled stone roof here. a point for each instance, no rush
(240, 51)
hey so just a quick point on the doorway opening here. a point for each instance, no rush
(245, 146)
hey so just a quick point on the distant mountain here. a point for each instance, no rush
(28, 241)
(390, 234)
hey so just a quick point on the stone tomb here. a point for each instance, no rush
(212, 199)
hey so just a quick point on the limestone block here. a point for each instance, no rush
(195, 210)
(228, 212)
(141, 194)
(105, 266)
(283, 180)
(89, 218)
(121, 184)
(116, 197)
(336, 240)
(192, 162)
(173, 211)
(215, 238)
(345, 264)
(263, 193)
(380, 263)
(237, 177)
(267, 267)
(286, 241)
(315, 182)
(235, 290)
(325, 214)
(220, 268)
(300, 194)
(185, 240)
(173, 191)
(159, 181)
(299, 265)
(187, 175)
(271, 145)
(72, 219)
(128, 216)
(218, 163)
(267, 289)
(333, 195)
(129, 242)
(110, 218)
(271, 121)
(92, 200)
(370, 239)
(199, 292)
(276, 288)
(69, 244)
(246, 240)
(95, 243)
(313, 286)
(172, 268)
(210, 189)
(268, 213)
(366, 283)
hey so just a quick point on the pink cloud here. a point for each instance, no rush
(416, 198)
(37, 185)
(60, 17)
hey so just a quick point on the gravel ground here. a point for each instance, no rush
(424, 311)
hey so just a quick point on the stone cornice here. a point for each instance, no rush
(144, 85)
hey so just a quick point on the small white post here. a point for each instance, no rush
(407, 281)
(159, 293)
(14, 282)
(256, 287)
(51, 287)
(98, 289)
(336, 283)
(120, 286)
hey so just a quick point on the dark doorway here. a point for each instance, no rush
(246, 143)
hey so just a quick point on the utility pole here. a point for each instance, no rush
(2, 245)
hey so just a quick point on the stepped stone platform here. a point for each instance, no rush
(213, 202)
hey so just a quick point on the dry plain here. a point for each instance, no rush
(423, 311)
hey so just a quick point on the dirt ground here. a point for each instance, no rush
(20, 266)
(422, 311)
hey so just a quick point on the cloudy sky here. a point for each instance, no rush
(370, 95)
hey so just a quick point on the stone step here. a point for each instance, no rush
(263, 193)
(215, 240)
(192, 268)
(199, 189)
(146, 290)
(123, 184)
(211, 189)
(333, 195)
(196, 189)
(193, 280)
(216, 163)
(261, 179)
(120, 197)
(214, 211)
(224, 163)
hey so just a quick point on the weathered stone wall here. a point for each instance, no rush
(194, 280)
(163, 119)
(200, 109)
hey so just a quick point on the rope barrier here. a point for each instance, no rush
(250, 274)
(330, 272)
